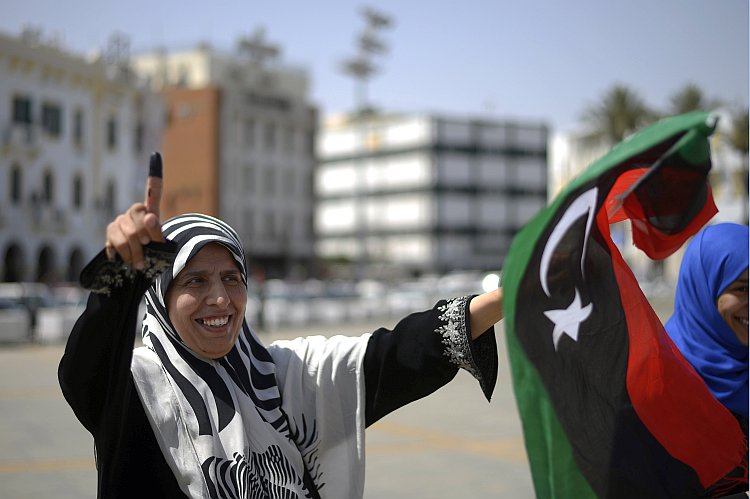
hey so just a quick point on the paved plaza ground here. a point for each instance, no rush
(448, 445)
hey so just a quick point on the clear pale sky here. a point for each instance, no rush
(535, 59)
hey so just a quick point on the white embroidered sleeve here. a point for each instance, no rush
(478, 357)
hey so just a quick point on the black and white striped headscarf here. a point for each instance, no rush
(220, 423)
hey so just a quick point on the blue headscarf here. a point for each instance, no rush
(713, 260)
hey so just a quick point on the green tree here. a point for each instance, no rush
(619, 113)
(691, 98)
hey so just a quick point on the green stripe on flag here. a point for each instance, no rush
(554, 471)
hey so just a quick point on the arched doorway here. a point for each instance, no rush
(14, 264)
(45, 270)
(75, 265)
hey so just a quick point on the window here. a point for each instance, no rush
(78, 127)
(249, 134)
(183, 76)
(109, 199)
(138, 137)
(290, 184)
(247, 221)
(52, 119)
(270, 228)
(77, 191)
(248, 179)
(289, 136)
(48, 188)
(112, 132)
(22, 110)
(310, 143)
(270, 180)
(270, 136)
(16, 184)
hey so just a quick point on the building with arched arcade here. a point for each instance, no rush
(75, 136)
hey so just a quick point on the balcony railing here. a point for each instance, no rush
(20, 136)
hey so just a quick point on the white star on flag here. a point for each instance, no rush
(567, 321)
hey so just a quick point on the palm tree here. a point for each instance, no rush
(691, 98)
(620, 113)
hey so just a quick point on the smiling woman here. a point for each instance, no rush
(709, 324)
(732, 305)
(203, 408)
(206, 302)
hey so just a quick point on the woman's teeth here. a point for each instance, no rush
(216, 322)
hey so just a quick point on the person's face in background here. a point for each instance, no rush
(206, 302)
(732, 304)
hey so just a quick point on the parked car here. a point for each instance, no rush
(54, 322)
(15, 322)
(30, 296)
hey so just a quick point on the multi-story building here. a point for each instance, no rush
(239, 145)
(729, 173)
(426, 193)
(75, 135)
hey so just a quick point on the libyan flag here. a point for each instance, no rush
(609, 406)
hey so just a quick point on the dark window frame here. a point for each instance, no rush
(112, 133)
(78, 189)
(22, 110)
(48, 187)
(78, 126)
(52, 119)
(16, 184)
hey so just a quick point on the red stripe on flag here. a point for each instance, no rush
(653, 242)
(669, 397)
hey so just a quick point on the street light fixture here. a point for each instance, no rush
(362, 68)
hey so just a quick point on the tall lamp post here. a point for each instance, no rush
(362, 67)
(257, 48)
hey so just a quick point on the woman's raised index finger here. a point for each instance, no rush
(154, 184)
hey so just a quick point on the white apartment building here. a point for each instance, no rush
(427, 193)
(729, 179)
(75, 136)
(265, 134)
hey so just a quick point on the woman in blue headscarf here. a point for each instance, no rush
(710, 320)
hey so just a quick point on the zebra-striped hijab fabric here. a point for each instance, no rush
(219, 423)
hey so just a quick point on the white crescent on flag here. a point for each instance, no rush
(568, 320)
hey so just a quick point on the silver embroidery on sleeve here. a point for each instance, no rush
(455, 335)
(112, 275)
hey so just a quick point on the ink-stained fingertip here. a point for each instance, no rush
(155, 168)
